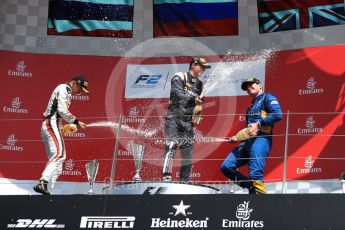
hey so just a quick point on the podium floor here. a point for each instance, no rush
(146, 187)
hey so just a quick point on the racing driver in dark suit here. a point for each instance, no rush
(185, 93)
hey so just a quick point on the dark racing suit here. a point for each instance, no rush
(266, 110)
(57, 110)
(179, 129)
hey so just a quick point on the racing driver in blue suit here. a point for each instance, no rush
(261, 116)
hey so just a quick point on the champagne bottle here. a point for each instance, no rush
(242, 135)
(69, 128)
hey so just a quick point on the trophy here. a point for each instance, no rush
(232, 186)
(138, 154)
(342, 180)
(91, 172)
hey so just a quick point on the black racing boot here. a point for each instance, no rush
(42, 187)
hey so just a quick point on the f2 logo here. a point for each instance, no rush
(149, 79)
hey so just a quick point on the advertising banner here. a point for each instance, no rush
(308, 83)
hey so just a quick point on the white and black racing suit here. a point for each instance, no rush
(179, 129)
(57, 110)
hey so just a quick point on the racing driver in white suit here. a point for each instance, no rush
(58, 109)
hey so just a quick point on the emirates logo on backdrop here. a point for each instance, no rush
(76, 135)
(308, 166)
(192, 174)
(69, 165)
(311, 83)
(129, 151)
(15, 107)
(69, 169)
(80, 97)
(310, 88)
(309, 127)
(309, 123)
(16, 103)
(21, 66)
(11, 144)
(129, 146)
(20, 71)
(133, 116)
(133, 112)
(11, 140)
(309, 162)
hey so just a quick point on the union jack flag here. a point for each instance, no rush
(280, 15)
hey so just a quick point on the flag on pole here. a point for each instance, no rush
(280, 15)
(96, 18)
(195, 18)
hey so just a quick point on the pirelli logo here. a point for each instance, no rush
(105, 222)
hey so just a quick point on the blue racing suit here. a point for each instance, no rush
(266, 111)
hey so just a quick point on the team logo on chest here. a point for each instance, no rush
(190, 92)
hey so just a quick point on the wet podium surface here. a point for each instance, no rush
(148, 188)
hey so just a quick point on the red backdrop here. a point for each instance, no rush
(309, 83)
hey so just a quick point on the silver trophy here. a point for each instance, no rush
(91, 172)
(232, 185)
(138, 154)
